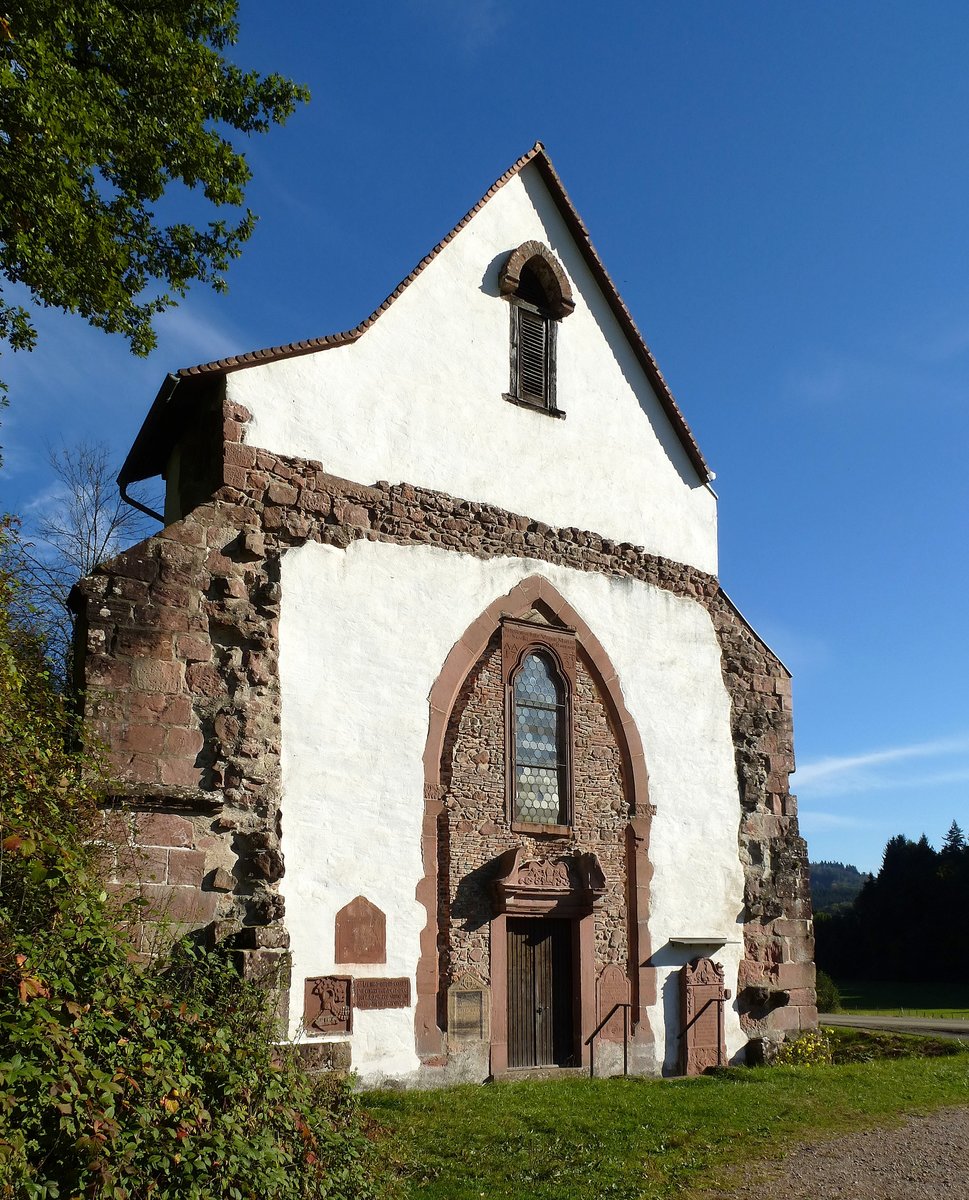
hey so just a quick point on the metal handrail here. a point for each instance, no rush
(590, 1040)
(719, 1001)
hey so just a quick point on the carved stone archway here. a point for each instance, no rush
(536, 593)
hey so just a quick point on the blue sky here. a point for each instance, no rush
(780, 193)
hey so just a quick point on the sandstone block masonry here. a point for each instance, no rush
(179, 639)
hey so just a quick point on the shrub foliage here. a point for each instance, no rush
(811, 1049)
(829, 997)
(122, 1079)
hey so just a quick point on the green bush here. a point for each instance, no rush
(829, 998)
(805, 1050)
(114, 1083)
(121, 1079)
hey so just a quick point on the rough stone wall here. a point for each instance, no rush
(167, 858)
(181, 669)
(476, 829)
(776, 981)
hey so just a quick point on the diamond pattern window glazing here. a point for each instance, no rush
(539, 738)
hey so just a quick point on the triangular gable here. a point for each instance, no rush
(136, 465)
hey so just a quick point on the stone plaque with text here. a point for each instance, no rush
(702, 1000)
(613, 989)
(381, 993)
(468, 1015)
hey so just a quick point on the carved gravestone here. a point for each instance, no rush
(361, 933)
(468, 1010)
(327, 1004)
(611, 989)
(702, 997)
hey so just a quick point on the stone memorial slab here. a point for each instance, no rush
(327, 1006)
(468, 1010)
(612, 989)
(702, 997)
(381, 993)
(360, 933)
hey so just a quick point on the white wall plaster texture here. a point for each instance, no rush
(363, 635)
(418, 400)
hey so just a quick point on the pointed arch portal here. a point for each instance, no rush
(537, 593)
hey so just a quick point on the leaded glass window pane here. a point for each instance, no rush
(539, 729)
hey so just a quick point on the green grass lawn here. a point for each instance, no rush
(635, 1139)
(905, 999)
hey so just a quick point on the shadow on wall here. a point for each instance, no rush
(673, 959)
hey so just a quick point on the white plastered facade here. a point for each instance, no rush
(364, 631)
(418, 399)
(363, 635)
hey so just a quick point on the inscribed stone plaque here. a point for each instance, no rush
(468, 1010)
(468, 1016)
(327, 1006)
(612, 989)
(361, 933)
(381, 993)
(702, 1000)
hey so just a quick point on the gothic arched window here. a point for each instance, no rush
(540, 758)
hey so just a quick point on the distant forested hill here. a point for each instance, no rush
(907, 924)
(833, 884)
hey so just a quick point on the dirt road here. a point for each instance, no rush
(936, 1026)
(926, 1158)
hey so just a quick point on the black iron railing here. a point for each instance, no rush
(590, 1040)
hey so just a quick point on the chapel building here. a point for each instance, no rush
(427, 700)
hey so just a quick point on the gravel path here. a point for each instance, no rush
(927, 1158)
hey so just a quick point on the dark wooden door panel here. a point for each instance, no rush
(540, 989)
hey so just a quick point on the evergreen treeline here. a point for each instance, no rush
(834, 884)
(910, 922)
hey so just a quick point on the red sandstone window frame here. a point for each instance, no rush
(519, 639)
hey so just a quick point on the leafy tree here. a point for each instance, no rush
(909, 922)
(103, 106)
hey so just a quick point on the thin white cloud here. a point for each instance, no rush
(951, 343)
(811, 772)
(187, 335)
(800, 651)
(812, 821)
(877, 770)
(45, 501)
(476, 25)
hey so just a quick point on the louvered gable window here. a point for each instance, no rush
(536, 287)
(535, 335)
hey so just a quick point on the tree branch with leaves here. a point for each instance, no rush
(103, 106)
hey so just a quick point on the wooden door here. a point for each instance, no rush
(540, 986)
